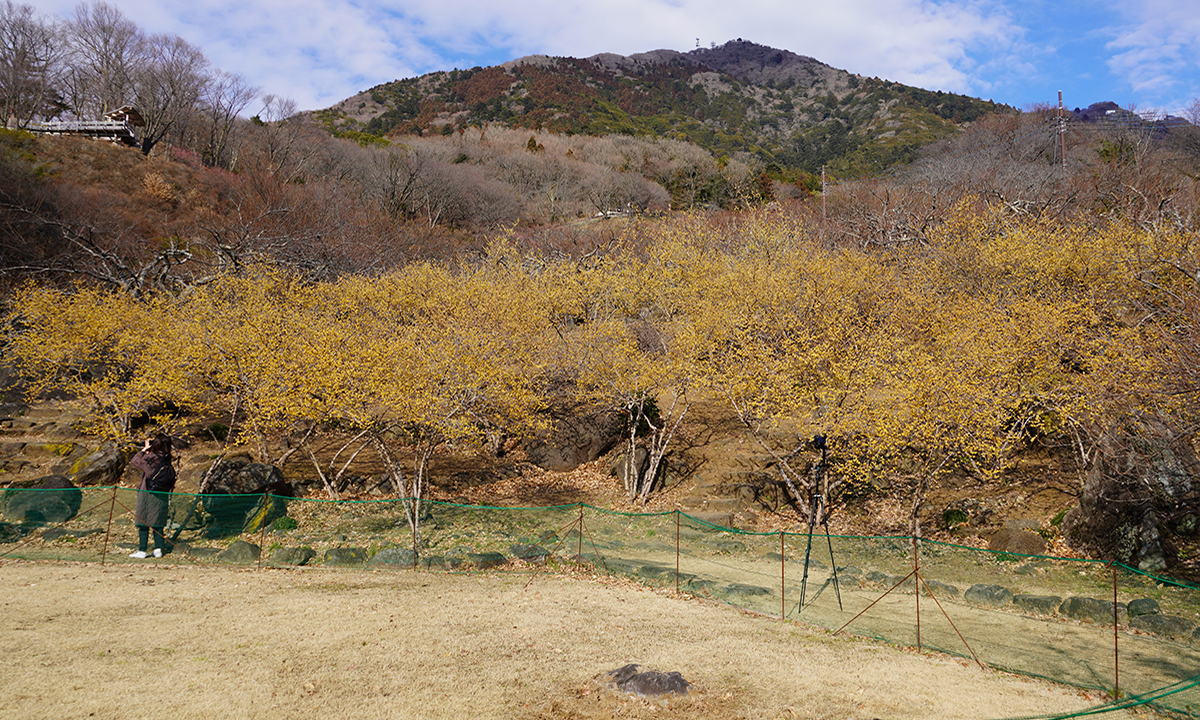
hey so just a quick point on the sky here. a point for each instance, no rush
(1141, 54)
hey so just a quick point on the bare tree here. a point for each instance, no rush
(392, 176)
(609, 190)
(31, 62)
(169, 86)
(65, 230)
(107, 49)
(276, 139)
(225, 96)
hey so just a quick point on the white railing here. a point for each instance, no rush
(113, 129)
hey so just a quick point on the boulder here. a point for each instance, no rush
(648, 684)
(1020, 542)
(16, 466)
(1143, 606)
(940, 589)
(345, 556)
(103, 467)
(849, 573)
(54, 499)
(434, 562)
(989, 595)
(456, 558)
(391, 558)
(1091, 610)
(580, 434)
(242, 496)
(486, 560)
(747, 591)
(240, 552)
(1167, 625)
(54, 450)
(1151, 555)
(238, 475)
(529, 553)
(293, 556)
(877, 576)
(1038, 604)
(236, 514)
(899, 582)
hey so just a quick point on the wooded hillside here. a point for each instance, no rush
(791, 114)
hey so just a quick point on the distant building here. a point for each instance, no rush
(119, 126)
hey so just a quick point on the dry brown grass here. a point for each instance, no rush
(190, 642)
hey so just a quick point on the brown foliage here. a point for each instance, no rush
(483, 85)
(107, 213)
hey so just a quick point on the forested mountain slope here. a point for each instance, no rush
(789, 111)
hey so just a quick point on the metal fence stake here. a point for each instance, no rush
(677, 552)
(1116, 652)
(917, 586)
(108, 531)
(262, 537)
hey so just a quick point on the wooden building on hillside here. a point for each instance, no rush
(119, 126)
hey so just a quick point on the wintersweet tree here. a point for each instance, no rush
(89, 343)
(424, 358)
(625, 341)
(799, 336)
(1015, 329)
(641, 366)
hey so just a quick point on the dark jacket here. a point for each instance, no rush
(158, 477)
(157, 473)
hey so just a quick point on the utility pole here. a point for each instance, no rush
(1062, 132)
(823, 203)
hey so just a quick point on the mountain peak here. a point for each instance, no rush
(754, 63)
(786, 110)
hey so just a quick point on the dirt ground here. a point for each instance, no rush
(173, 641)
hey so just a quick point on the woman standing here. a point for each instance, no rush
(158, 480)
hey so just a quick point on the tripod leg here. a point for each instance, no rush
(812, 518)
(837, 588)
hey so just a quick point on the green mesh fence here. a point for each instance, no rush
(1042, 616)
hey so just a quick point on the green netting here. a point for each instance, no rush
(1042, 616)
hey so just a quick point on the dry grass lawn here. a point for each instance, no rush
(179, 642)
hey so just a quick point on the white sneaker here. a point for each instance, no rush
(157, 552)
(139, 554)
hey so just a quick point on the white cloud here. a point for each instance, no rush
(1158, 52)
(917, 41)
(320, 51)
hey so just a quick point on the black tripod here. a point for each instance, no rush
(817, 506)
